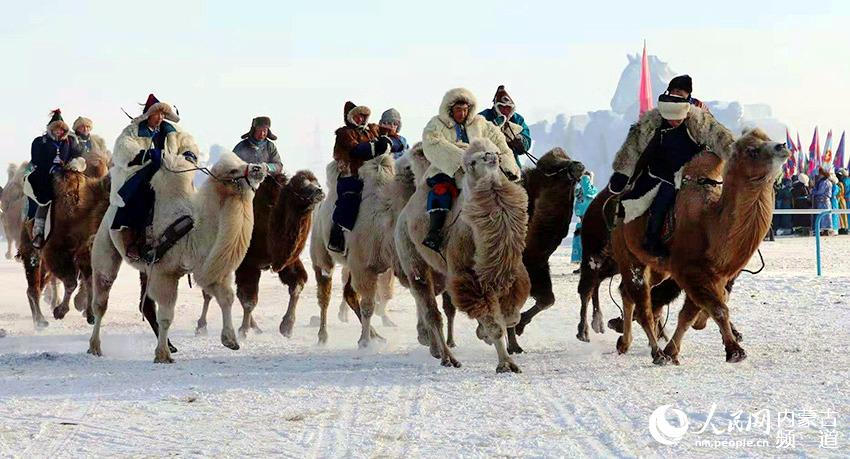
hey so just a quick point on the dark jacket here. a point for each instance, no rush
(46, 155)
(256, 153)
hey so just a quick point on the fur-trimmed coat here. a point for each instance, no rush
(348, 138)
(131, 142)
(444, 150)
(95, 145)
(703, 128)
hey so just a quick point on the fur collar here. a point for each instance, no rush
(450, 98)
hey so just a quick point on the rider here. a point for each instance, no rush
(257, 147)
(444, 140)
(50, 152)
(138, 156)
(503, 114)
(356, 142)
(390, 125)
(662, 142)
(88, 142)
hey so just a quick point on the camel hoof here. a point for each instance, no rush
(515, 348)
(201, 330)
(388, 322)
(163, 359)
(450, 342)
(41, 324)
(738, 336)
(286, 327)
(519, 328)
(622, 347)
(616, 324)
(735, 355)
(171, 347)
(229, 341)
(435, 351)
(507, 367)
(582, 334)
(450, 362)
(94, 349)
(364, 343)
(60, 312)
(597, 323)
(660, 358)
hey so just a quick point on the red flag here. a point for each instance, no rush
(645, 91)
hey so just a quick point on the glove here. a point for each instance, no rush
(510, 175)
(381, 146)
(517, 145)
(191, 157)
(618, 183)
(77, 164)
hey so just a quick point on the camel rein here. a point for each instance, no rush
(207, 172)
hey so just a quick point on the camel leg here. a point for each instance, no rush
(35, 281)
(544, 297)
(147, 307)
(588, 284)
(687, 316)
(598, 320)
(67, 274)
(713, 301)
(163, 290)
(450, 310)
(343, 305)
(493, 333)
(353, 300)
(201, 328)
(247, 289)
(365, 284)
(294, 277)
(385, 293)
(8, 248)
(323, 292)
(513, 346)
(640, 296)
(429, 323)
(106, 261)
(223, 294)
(625, 340)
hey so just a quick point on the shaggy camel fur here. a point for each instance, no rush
(715, 236)
(12, 207)
(283, 213)
(482, 269)
(370, 252)
(223, 216)
(550, 187)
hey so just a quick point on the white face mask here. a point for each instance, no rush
(674, 111)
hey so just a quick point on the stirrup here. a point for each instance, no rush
(170, 236)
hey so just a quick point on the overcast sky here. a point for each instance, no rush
(222, 63)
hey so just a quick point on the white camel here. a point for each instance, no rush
(223, 216)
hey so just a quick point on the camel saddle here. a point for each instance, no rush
(181, 227)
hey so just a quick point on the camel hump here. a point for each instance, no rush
(704, 165)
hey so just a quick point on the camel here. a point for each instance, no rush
(283, 213)
(77, 209)
(370, 251)
(482, 269)
(385, 292)
(12, 207)
(715, 235)
(223, 215)
(550, 187)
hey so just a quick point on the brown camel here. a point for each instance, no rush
(283, 213)
(481, 264)
(715, 235)
(550, 188)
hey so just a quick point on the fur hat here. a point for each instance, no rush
(350, 109)
(681, 82)
(82, 121)
(260, 121)
(673, 108)
(502, 98)
(804, 179)
(154, 105)
(56, 121)
(391, 116)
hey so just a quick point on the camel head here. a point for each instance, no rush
(244, 177)
(756, 158)
(481, 161)
(556, 168)
(304, 189)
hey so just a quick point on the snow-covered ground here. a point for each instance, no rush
(292, 398)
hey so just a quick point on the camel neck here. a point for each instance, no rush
(745, 211)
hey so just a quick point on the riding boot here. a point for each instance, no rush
(336, 241)
(131, 243)
(434, 239)
(38, 226)
(652, 242)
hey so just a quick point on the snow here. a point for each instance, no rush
(292, 398)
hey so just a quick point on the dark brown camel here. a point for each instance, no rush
(551, 194)
(715, 236)
(283, 213)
